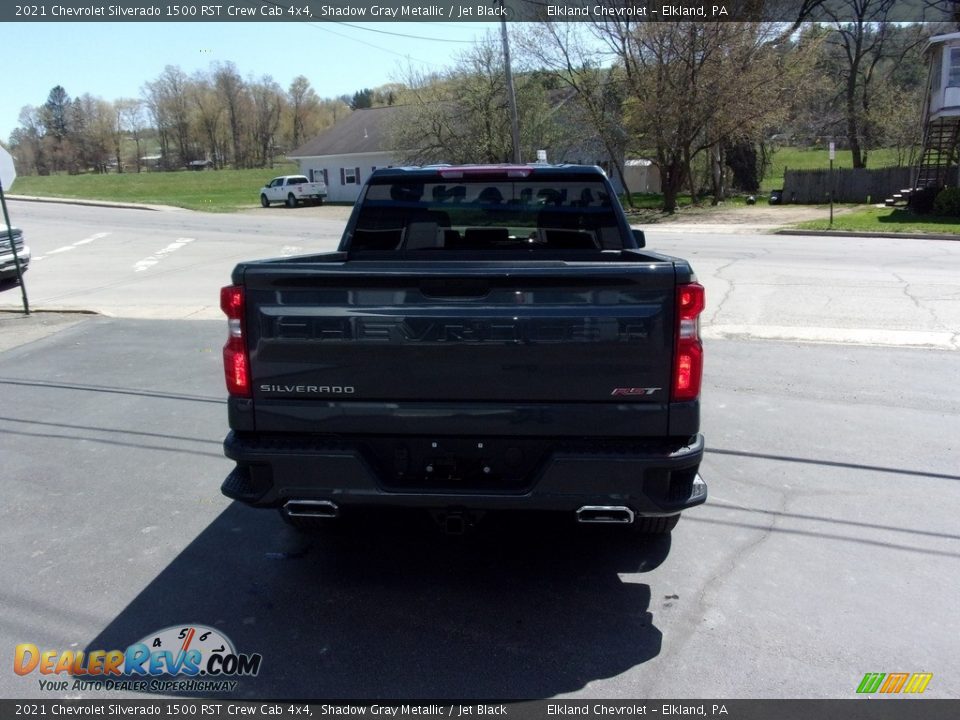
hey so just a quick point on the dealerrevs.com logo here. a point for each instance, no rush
(188, 658)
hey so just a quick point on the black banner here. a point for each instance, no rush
(469, 11)
(856, 709)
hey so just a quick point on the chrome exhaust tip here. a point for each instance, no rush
(311, 509)
(609, 514)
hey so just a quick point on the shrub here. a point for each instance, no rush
(948, 202)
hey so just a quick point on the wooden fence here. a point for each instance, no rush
(861, 185)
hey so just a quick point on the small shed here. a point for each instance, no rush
(642, 176)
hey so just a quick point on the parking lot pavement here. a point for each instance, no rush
(17, 329)
(828, 548)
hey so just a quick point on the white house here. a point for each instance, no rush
(344, 155)
(943, 54)
(941, 120)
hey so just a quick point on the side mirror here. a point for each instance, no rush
(639, 238)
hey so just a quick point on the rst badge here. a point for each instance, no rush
(635, 391)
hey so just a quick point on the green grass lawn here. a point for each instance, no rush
(229, 190)
(886, 220)
(210, 190)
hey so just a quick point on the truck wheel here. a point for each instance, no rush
(291, 201)
(263, 201)
(319, 201)
(656, 525)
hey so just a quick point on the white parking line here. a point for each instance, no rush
(944, 340)
(152, 260)
(86, 241)
(78, 243)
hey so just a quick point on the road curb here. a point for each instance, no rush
(47, 311)
(894, 235)
(90, 203)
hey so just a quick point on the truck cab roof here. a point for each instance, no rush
(502, 170)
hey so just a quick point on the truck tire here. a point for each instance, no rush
(291, 200)
(263, 200)
(656, 525)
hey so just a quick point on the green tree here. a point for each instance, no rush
(694, 87)
(362, 99)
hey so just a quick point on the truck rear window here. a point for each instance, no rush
(514, 214)
(298, 180)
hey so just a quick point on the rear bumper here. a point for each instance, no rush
(652, 479)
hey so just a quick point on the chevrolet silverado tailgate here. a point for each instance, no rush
(545, 331)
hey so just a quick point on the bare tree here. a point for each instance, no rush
(30, 137)
(132, 121)
(267, 103)
(167, 100)
(568, 55)
(209, 113)
(157, 108)
(303, 104)
(462, 115)
(232, 92)
(861, 31)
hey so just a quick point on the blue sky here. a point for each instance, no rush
(113, 60)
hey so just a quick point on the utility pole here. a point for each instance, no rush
(511, 95)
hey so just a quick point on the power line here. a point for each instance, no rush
(375, 47)
(404, 35)
(362, 42)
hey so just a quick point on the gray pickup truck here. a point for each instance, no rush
(486, 338)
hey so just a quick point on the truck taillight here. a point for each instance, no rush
(236, 364)
(688, 355)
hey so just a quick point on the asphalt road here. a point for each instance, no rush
(829, 547)
(146, 264)
(170, 265)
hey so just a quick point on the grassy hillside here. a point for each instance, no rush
(210, 190)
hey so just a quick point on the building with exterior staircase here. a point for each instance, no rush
(941, 120)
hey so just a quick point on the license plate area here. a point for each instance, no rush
(485, 465)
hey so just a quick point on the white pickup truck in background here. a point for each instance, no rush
(292, 189)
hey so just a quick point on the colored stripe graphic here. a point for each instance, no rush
(894, 683)
(918, 682)
(870, 682)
